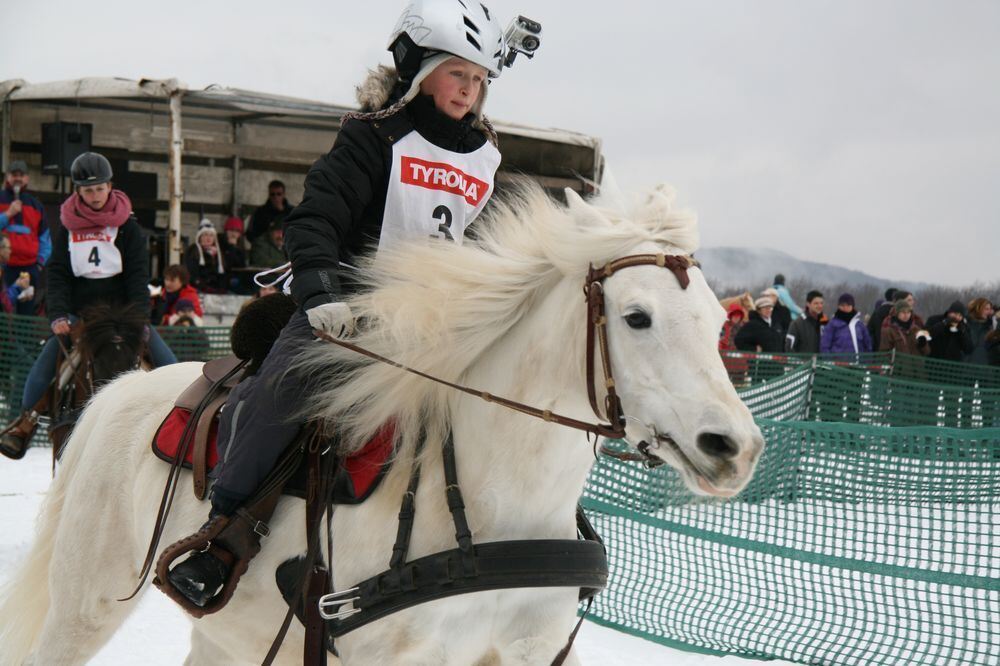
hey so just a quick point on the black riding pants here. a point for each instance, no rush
(256, 424)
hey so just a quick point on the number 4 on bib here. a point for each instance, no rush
(94, 257)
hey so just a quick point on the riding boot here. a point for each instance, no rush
(15, 438)
(200, 577)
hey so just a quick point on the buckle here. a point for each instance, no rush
(261, 528)
(330, 604)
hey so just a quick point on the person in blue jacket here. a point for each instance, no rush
(846, 333)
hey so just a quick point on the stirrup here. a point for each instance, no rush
(14, 439)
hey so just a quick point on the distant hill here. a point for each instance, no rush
(747, 268)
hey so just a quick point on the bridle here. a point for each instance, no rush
(597, 338)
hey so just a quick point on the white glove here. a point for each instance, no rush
(334, 318)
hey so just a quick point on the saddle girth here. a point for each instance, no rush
(470, 567)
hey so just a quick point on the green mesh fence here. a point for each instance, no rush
(22, 339)
(840, 394)
(852, 545)
(746, 368)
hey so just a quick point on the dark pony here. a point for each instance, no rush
(107, 341)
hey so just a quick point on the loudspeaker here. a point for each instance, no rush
(62, 143)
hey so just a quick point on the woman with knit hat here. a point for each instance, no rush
(98, 255)
(902, 333)
(416, 164)
(204, 261)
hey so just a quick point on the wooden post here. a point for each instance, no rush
(5, 129)
(174, 179)
(235, 208)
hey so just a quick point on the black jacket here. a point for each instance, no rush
(781, 319)
(68, 294)
(947, 344)
(262, 218)
(758, 333)
(875, 323)
(804, 334)
(341, 213)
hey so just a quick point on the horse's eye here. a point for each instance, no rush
(638, 319)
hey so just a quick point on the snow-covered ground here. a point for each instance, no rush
(156, 634)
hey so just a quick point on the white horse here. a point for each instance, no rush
(504, 313)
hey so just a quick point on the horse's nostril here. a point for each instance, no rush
(717, 446)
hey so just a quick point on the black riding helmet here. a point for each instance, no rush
(91, 169)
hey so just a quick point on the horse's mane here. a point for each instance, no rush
(103, 321)
(437, 307)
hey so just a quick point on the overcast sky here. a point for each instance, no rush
(864, 133)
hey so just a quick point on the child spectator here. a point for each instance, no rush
(176, 288)
(204, 261)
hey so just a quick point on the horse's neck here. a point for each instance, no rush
(532, 472)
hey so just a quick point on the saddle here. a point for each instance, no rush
(187, 438)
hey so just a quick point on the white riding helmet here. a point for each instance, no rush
(465, 28)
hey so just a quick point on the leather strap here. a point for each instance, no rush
(499, 565)
(199, 462)
(170, 487)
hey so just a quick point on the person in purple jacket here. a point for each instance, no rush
(846, 333)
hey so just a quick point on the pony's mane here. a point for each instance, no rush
(437, 307)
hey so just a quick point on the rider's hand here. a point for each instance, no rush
(14, 208)
(23, 280)
(334, 318)
(61, 326)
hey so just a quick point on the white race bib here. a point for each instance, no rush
(93, 254)
(435, 192)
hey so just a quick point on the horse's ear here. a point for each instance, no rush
(659, 210)
(580, 209)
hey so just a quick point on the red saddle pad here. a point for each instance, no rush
(364, 467)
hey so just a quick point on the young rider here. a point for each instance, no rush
(379, 183)
(99, 254)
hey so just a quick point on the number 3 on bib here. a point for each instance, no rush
(443, 213)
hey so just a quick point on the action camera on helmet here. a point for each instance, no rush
(522, 36)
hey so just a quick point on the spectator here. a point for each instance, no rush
(22, 220)
(846, 332)
(268, 250)
(757, 335)
(276, 208)
(184, 310)
(781, 317)
(993, 346)
(176, 288)
(950, 338)
(234, 256)
(11, 294)
(188, 341)
(204, 261)
(901, 333)
(734, 321)
(785, 297)
(981, 322)
(804, 334)
(881, 311)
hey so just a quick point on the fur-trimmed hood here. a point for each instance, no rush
(382, 86)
